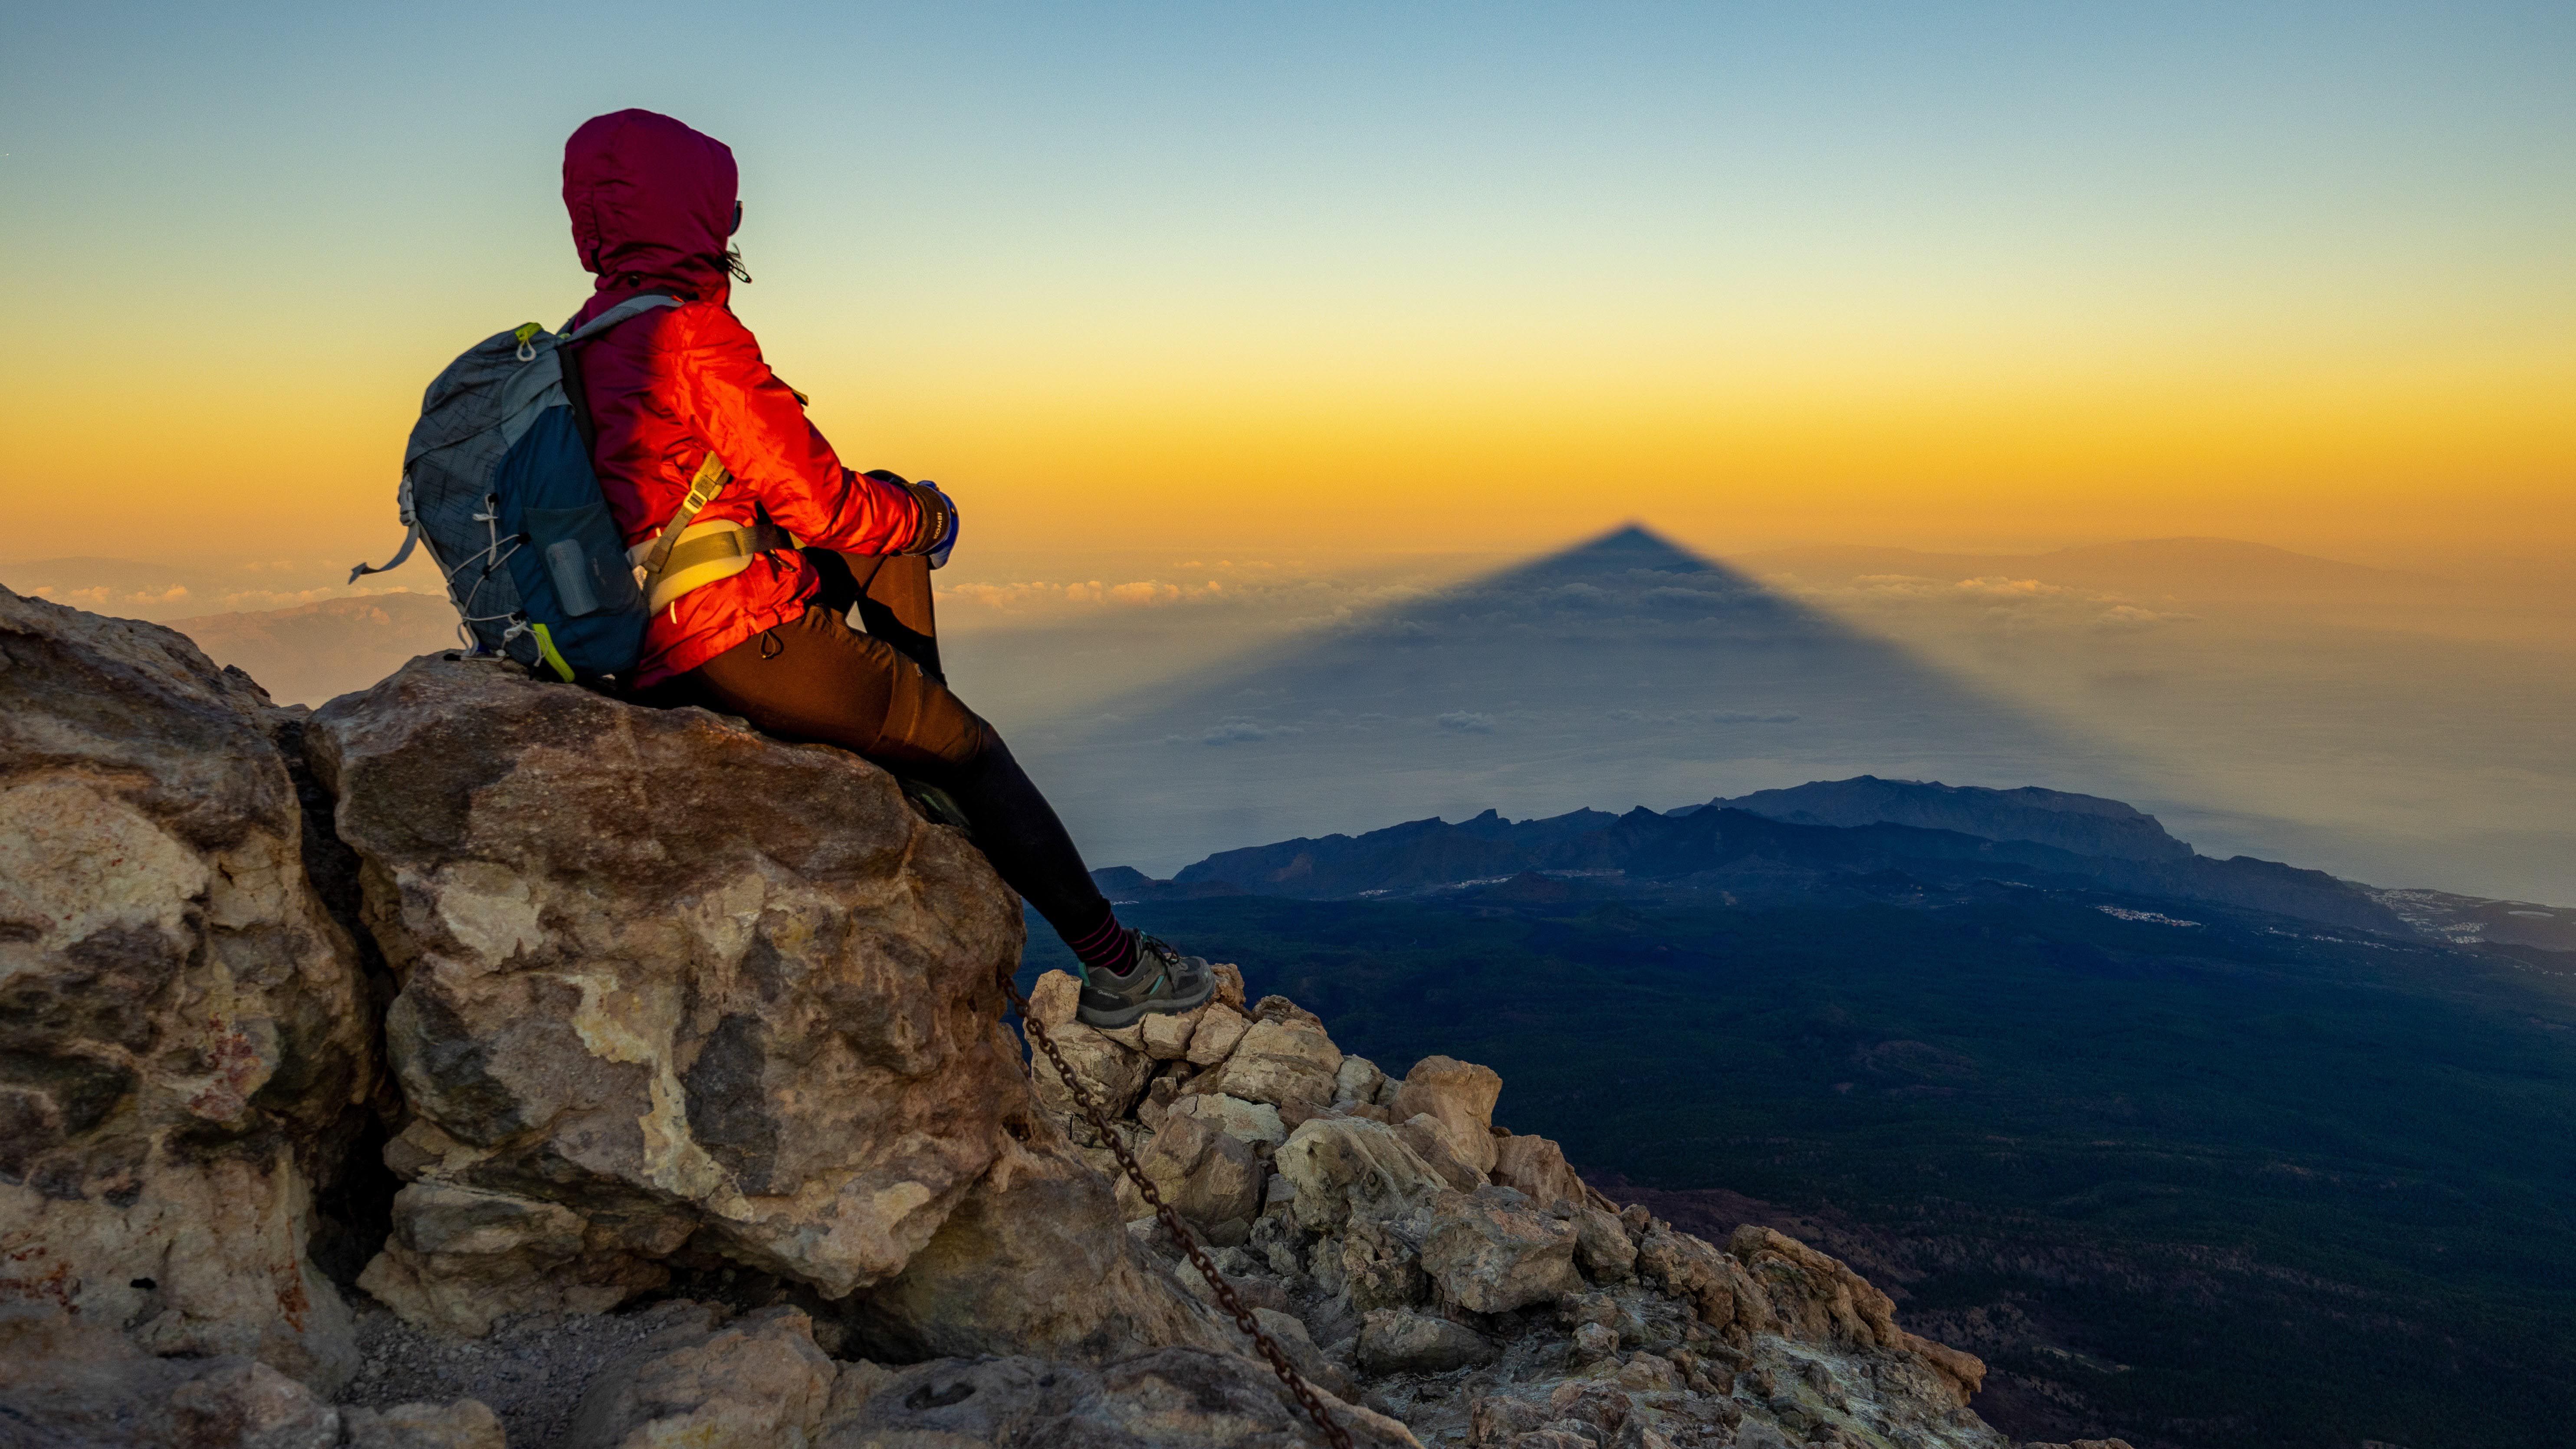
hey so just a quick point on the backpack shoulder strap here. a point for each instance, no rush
(710, 480)
(568, 359)
(631, 307)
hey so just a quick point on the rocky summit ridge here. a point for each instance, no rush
(476, 1061)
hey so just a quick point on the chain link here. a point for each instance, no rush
(1268, 1347)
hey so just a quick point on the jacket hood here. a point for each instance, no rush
(652, 202)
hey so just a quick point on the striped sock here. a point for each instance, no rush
(1105, 947)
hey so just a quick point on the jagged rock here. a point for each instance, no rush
(1395, 1341)
(465, 1424)
(1341, 1166)
(1229, 985)
(1605, 1407)
(1961, 1372)
(1594, 1342)
(1536, 1168)
(1715, 1283)
(184, 1030)
(1650, 1373)
(1378, 1262)
(1285, 1062)
(1491, 1252)
(756, 1382)
(694, 985)
(1357, 1082)
(1601, 1246)
(1433, 1143)
(1501, 1419)
(1254, 1124)
(1055, 998)
(1289, 1332)
(1275, 1007)
(1175, 1397)
(1026, 1259)
(1167, 1035)
(1636, 1434)
(1115, 1075)
(246, 1402)
(1459, 1096)
(1218, 1032)
(1206, 1175)
(1813, 1296)
(1350, 1213)
(856, 1383)
(68, 1385)
(460, 1258)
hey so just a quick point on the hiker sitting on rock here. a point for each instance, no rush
(669, 390)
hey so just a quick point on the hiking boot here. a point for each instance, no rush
(1161, 980)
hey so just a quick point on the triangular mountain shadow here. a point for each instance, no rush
(1625, 670)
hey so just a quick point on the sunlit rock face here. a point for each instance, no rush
(668, 984)
(185, 1034)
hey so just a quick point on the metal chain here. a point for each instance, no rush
(1269, 1348)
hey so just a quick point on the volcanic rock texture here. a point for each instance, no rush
(184, 1031)
(672, 989)
(640, 1080)
(1501, 1305)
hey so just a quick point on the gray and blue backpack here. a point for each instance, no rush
(498, 481)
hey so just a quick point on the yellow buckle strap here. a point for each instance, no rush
(546, 648)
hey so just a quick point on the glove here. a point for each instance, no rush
(948, 537)
(938, 532)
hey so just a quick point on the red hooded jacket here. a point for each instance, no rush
(652, 203)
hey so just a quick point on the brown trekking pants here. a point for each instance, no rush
(880, 694)
(819, 679)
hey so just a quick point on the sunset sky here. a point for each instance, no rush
(1361, 278)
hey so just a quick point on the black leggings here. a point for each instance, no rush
(818, 679)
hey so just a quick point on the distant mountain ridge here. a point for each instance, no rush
(2084, 824)
(1824, 841)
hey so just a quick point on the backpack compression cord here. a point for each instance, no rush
(1334, 1433)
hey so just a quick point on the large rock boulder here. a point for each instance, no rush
(665, 981)
(1536, 1168)
(66, 1384)
(1491, 1252)
(1210, 1177)
(1398, 1341)
(1460, 1097)
(1817, 1297)
(760, 1380)
(185, 1033)
(1287, 1062)
(1344, 1166)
